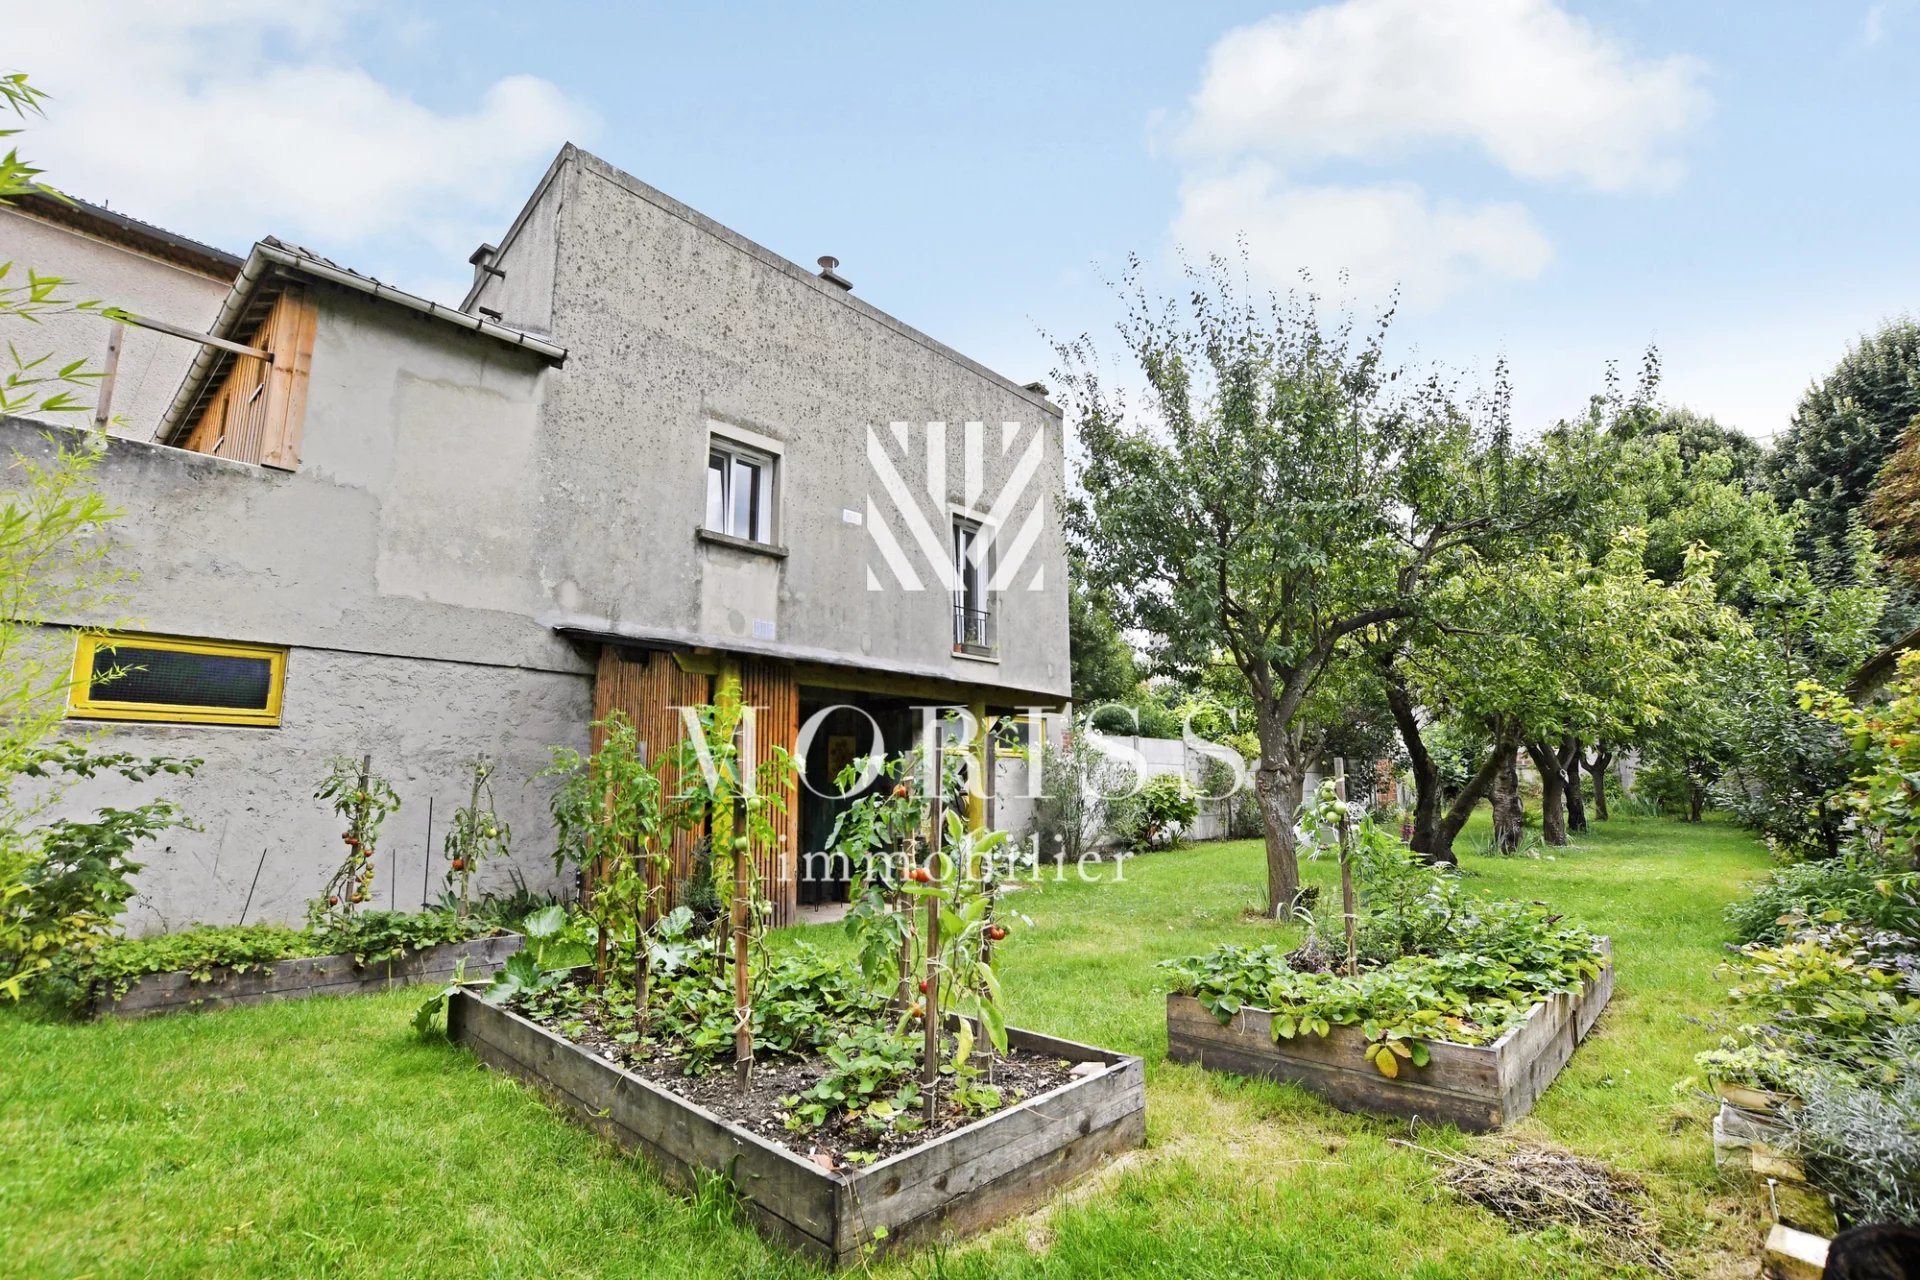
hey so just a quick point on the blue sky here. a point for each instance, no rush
(1557, 183)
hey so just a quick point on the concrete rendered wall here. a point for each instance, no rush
(1013, 808)
(398, 565)
(151, 364)
(674, 324)
(253, 798)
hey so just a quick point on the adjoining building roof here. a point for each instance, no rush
(108, 224)
(1877, 670)
(260, 280)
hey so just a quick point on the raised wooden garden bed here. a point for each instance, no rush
(959, 1182)
(308, 976)
(1748, 1133)
(1476, 1087)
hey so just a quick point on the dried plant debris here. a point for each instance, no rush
(1533, 1185)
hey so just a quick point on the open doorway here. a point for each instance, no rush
(845, 733)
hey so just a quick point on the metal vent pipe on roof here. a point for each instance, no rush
(829, 272)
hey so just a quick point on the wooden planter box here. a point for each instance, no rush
(308, 976)
(1476, 1087)
(960, 1182)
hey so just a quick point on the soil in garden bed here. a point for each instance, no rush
(1018, 1075)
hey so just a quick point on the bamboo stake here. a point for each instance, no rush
(1346, 864)
(930, 1020)
(742, 990)
(599, 865)
(426, 858)
(473, 821)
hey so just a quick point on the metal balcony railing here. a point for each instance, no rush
(972, 631)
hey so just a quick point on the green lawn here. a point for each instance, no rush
(325, 1138)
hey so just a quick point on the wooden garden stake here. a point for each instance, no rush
(930, 1064)
(473, 810)
(1346, 864)
(930, 1019)
(742, 991)
(600, 887)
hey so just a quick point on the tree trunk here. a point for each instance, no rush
(1696, 800)
(1485, 781)
(1277, 784)
(1508, 816)
(1430, 840)
(1597, 769)
(1553, 793)
(1570, 779)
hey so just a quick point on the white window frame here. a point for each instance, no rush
(976, 575)
(743, 448)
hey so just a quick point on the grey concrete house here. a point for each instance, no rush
(643, 453)
(100, 253)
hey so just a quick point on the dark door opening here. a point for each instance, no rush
(841, 737)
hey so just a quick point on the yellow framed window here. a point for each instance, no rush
(176, 680)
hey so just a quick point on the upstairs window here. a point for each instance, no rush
(972, 612)
(166, 679)
(739, 491)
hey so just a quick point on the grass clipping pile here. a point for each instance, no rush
(1533, 1185)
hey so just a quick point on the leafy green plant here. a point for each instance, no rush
(552, 951)
(362, 799)
(1855, 887)
(1497, 960)
(1884, 742)
(373, 937)
(199, 951)
(872, 1077)
(73, 877)
(1166, 806)
(1827, 997)
(476, 835)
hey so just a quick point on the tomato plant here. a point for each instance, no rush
(477, 835)
(362, 799)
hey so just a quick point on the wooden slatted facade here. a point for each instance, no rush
(255, 414)
(648, 686)
(769, 688)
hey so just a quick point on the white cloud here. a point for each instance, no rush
(231, 119)
(1381, 236)
(1880, 17)
(1541, 91)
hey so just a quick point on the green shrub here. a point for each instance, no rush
(1510, 957)
(1167, 807)
(1826, 999)
(199, 951)
(1852, 888)
(1862, 1144)
(1435, 964)
(371, 937)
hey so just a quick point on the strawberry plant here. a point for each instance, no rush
(362, 799)
(1481, 966)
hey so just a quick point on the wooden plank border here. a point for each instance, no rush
(1475, 1087)
(335, 975)
(964, 1181)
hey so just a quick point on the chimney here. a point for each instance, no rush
(482, 260)
(830, 275)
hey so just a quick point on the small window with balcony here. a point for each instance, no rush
(972, 609)
(740, 491)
